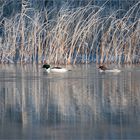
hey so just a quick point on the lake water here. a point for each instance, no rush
(82, 104)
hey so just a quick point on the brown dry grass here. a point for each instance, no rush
(80, 35)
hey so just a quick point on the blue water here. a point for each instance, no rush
(82, 104)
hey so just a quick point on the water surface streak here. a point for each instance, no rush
(80, 104)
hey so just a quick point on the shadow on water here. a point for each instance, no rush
(80, 104)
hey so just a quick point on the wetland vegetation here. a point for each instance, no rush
(82, 103)
(68, 34)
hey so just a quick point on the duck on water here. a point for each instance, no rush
(103, 68)
(54, 69)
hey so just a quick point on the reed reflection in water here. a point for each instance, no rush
(80, 104)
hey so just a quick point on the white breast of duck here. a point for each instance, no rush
(58, 69)
(113, 70)
(54, 69)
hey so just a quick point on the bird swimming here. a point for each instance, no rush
(54, 69)
(103, 68)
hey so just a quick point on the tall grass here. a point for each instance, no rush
(69, 36)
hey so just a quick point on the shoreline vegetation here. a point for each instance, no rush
(71, 36)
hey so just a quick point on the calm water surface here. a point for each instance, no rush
(82, 104)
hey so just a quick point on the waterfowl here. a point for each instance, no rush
(54, 69)
(103, 68)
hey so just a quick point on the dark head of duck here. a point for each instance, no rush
(102, 67)
(46, 66)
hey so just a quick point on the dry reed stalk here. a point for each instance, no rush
(74, 36)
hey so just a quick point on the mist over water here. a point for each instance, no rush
(80, 104)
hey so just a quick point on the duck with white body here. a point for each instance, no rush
(102, 68)
(54, 69)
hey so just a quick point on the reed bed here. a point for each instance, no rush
(70, 36)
